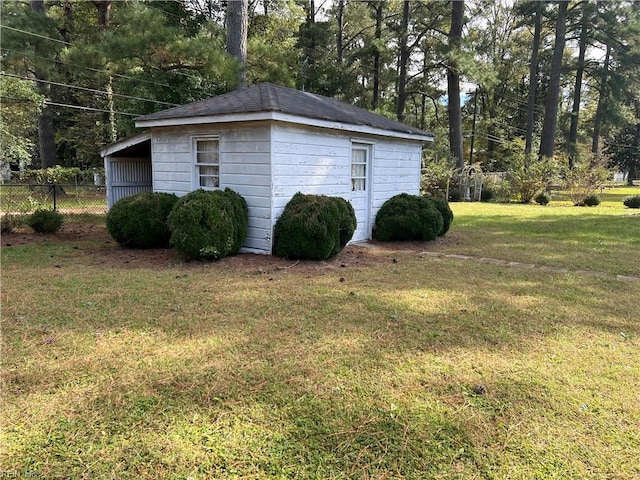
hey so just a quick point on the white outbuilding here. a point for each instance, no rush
(267, 143)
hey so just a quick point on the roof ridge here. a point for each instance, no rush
(269, 99)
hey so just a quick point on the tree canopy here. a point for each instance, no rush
(76, 74)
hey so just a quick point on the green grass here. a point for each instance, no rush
(121, 370)
(605, 238)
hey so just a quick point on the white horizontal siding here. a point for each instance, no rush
(244, 168)
(396, 170)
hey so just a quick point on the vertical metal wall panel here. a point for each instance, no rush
(128, 177)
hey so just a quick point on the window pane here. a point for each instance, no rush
(207, 145)
(207, 151)
(357, 184)
(209, 176)
(358, 170)
(359, 156)
(208, 157)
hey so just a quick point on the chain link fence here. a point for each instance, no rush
(66, 198)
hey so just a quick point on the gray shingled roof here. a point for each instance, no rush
(267, 97)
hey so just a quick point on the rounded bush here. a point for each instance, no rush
(486, 194)
(447, 214)
(140, 220)
(45, 221)
(632, 201)
(591, 201)
(408, 217)
(542, 198)
(347, 221)
(313, 227)
(209, 225)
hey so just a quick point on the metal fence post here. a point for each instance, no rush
(55, 199)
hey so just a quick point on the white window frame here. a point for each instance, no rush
(363, 179)
(197, 175)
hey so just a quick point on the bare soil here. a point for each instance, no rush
(101, 249)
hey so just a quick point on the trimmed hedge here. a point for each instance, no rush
(209, 225)
(45, 221)
(140, 220)
(313, 227)
(411, 217)
(447, 214)
(632, 201)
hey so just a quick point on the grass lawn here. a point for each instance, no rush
(379, 364)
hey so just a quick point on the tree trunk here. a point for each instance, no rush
(597, 120)
(404, 59)
(237, 26)
(453, 85)
(533, 79)
(376, 56)
(548, 136)
(104, 7)
(339, 44)
(577, 91)
(46, 133)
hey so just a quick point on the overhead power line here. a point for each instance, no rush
(35, 34)
(66, 105)
(78, 107)
(92, 90)
(119, 75)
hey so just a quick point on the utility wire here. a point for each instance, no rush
(77, 107)
(34, 34)
(66, 105)
(92, 90)
(141, 80)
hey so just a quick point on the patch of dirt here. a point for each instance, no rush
(100, 249)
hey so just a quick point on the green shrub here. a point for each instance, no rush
(9, 222)
(447, 214)
(632, 201)
(454, 194)
(45, 221)
(528, 175)
(241, 215)
(140, 220)
(313, 227)
(486, 194)
(590, 201)
(542, 198)
(347, 221)
(585, 179)
(209, 225)
(436, 175)
(408, 217)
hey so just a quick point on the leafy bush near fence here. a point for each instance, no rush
(140, 220)
(209, 225)
(9, 222)
(436, 175)
(45, 221)
(313, 227)
(409, 217)
(529, 175)
(584, 180)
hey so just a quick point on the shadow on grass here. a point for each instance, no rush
(215, 374)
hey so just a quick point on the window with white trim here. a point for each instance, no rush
(359, 160)
(207, 162)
